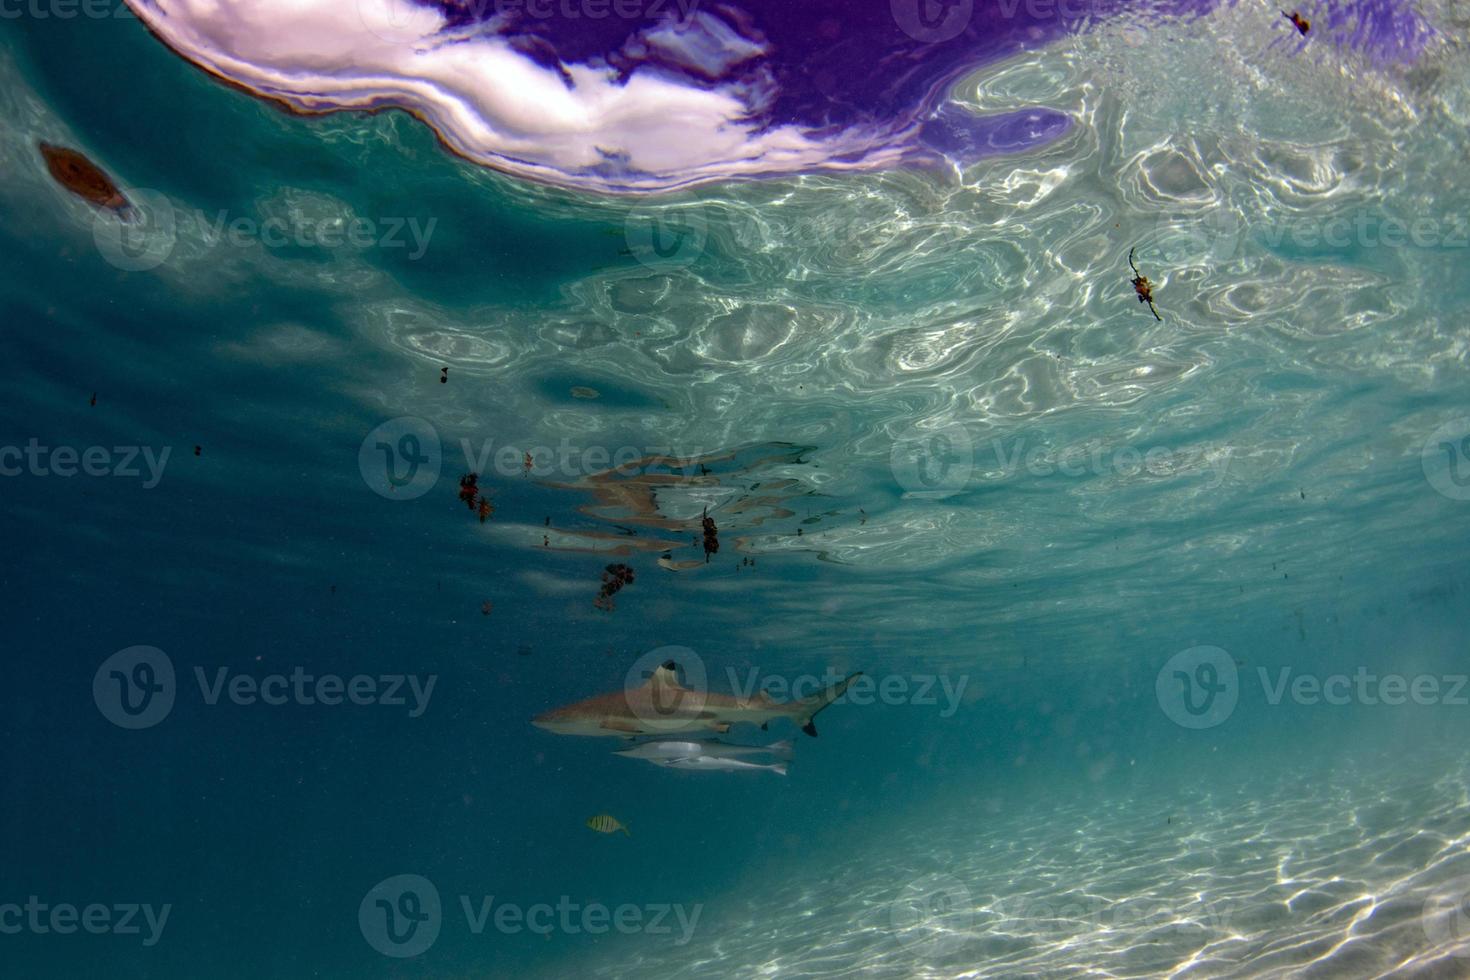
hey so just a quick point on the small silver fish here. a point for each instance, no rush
(705, 763)
(709, 748)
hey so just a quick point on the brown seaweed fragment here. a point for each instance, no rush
(711, 536)
(614, 577)
(469, 492)
(1143, 287)
(84, 179)
(1298, 21)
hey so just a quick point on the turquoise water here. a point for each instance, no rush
(1024, 507)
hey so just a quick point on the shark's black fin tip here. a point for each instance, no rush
(810, 729)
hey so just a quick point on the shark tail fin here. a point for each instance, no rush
(781, 749)
(779, 768)
(809, 707)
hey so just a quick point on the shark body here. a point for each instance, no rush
(663, 706)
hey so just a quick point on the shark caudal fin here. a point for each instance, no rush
(779, 768)
(807, 708)
(781, 749)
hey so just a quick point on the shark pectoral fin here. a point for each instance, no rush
(619, 725)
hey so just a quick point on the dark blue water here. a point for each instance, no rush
(1162, 620)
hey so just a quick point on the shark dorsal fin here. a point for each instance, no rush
(666, 677)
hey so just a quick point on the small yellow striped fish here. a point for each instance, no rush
(606, 824)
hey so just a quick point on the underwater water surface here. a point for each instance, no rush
(1076, 396)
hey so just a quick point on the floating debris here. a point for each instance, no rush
(486, 607)
(523, 651)
(1298, 21)
(198, 450)
(94, 399)
(84, 179)
(711, 536)
(474, 499)
(614, 577)
(469, 489)
(444, 376)
(1143, 287)
(526, 464)
(579, 391)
